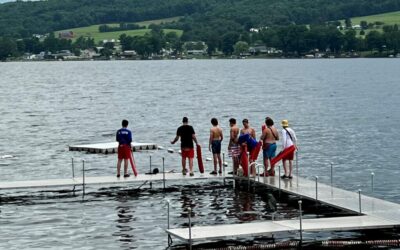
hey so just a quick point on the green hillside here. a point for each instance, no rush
(389, 18)
(23, 18)
(93, 30)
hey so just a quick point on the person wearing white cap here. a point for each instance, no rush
(288, 139)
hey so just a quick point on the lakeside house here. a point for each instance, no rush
(66, 35)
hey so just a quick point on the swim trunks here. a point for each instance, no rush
(269, 150)
(234, 150)
(289, 157)
(188, 153)
(124, 151)
(216, 146)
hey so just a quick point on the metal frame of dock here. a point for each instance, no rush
(373, 213)
(111, 147)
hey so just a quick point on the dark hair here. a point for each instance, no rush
(185, 119)
(232, 120)
(214, 121)
(245, 120)
(269, 121)
(125, 123)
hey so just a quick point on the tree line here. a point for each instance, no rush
(120, 27)
(292, 40)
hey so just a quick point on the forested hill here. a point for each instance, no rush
(21, 19)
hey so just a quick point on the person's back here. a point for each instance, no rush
(216, 133)
(186, 132)
(187, 135)
(288, 137)
(271, 135)
(124, 136)
(214, 145)
(124, 139)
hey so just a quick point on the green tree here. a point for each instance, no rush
(8, 48)
(347, 23)
(374, 40)
(240, 48)
(364, 25)
(228, 40)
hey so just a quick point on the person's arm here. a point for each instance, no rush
(195, 139)
(175, 140)
(277, 134)
(130, 138)
(263, 135)
(294, 139)
(210, 140)
(284, 139)
(253, 133)
(222, 135)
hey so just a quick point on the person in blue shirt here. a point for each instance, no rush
(124, 139)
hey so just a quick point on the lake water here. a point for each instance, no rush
(344, 111)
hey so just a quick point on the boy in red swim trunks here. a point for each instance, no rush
(187, 135)
(124, 139)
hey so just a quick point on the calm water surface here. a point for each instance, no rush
(343, 111)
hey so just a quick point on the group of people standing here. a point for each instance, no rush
(237, 139)
(241, 141)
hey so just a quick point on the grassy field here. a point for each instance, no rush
(389, 18)
(93, 30)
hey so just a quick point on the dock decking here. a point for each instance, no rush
(272, 227)
(104, 180)
(111, 147)
(374, 213)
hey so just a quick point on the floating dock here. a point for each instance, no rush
(269, 228)
(373, 213)
(111, 147)
(101, 180)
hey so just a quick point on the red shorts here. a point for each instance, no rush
(124, 152)
(188, 153)
(289, 157)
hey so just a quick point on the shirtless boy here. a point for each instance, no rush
(214, 145)
(233, 147)
(269, 137)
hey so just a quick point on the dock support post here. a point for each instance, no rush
(73, 168)
(190, 228)
(150, 164)
(151, 184)
(372, 181)
(169, 236)
(331, 174)
(279, 177)
(248, 177)
(359, 199)
(163, 172)
(316, 189)
(297, 167)
(83, 178)
(301, 222)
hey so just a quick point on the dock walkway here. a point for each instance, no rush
(111, 147)
(105, 180)
(374, 213)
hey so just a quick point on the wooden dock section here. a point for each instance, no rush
(373, 213)
(268, 228)
(111, 147)
(101, 180)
